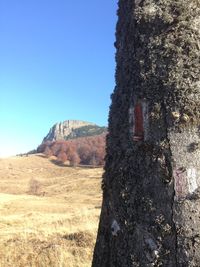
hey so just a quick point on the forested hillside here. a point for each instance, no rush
(84, 150)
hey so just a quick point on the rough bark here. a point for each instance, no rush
(151, 199)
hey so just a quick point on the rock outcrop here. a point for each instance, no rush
(70, 129)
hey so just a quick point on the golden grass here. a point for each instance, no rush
(49, 214)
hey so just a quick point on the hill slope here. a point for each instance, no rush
(49, 214)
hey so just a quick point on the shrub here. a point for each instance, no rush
(34, 187)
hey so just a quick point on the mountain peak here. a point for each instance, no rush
(71, 129)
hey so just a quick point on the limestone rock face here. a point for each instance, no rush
(60, 131)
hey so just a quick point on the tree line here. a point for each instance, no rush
(83, 150)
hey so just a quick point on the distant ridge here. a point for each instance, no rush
(71, 129)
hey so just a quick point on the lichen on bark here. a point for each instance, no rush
(158, 65)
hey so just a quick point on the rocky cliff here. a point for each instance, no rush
(70, 129)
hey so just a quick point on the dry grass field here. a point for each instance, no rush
(48, 213)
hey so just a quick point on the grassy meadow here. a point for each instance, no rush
(49, 213)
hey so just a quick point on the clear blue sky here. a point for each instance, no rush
(56, 63)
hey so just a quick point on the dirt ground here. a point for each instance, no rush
(49, 213)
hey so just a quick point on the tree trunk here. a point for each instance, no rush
(151, 199)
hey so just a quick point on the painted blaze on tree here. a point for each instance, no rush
(151, 202)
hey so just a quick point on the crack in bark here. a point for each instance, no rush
(169, 163)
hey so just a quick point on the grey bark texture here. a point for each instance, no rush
(151, 199)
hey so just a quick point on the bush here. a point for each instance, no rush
(34, 187)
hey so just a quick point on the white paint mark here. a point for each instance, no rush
(180, 177)
(192, 180)
(115, 228)
(131, 117)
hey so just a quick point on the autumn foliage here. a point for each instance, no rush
(84, 150)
